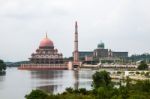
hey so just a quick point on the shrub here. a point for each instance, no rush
(137, 72)
(143, 66)
(118, 72)
(69, 90)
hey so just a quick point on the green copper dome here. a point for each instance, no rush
(101, 45)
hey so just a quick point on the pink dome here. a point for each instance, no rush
(46, 43)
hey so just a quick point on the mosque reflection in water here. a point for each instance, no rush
(56, 81)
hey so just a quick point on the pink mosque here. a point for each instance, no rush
(46, 57)
(46, 54)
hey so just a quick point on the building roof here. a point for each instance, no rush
(101, 45)
(46, 42)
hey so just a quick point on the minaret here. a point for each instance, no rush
(76, 53)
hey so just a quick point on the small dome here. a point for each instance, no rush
(101, 45)
(46, 42)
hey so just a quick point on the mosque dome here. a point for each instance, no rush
(46, 42)
(101, 45)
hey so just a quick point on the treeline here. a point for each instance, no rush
(144, 57)
(102, 88)
(16, 64)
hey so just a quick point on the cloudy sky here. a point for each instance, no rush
(123, 25)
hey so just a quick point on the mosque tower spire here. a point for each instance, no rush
(76, 52)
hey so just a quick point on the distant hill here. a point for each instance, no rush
(16, 64)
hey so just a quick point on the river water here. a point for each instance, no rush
(17, 83)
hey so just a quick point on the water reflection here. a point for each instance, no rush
(49, 88)
(56, 81)
(46, 74)
(76, 78)
(3, 73)
(2, 79)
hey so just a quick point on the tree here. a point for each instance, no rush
(37, 94)
(2, 66)
(101, 79)
(143, 66)
(83, 91)
(69, 90)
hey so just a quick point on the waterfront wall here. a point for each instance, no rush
(43, 67)
(118, 66)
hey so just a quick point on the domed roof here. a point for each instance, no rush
(101, 45)
(46, 42)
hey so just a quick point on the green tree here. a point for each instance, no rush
(37, 94)
(143, 66)
(2, 66)
(83, 91)
(101, 79)
(69, 90)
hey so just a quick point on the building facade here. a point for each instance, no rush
(83, 54)
(101, 53)
(120, 54)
